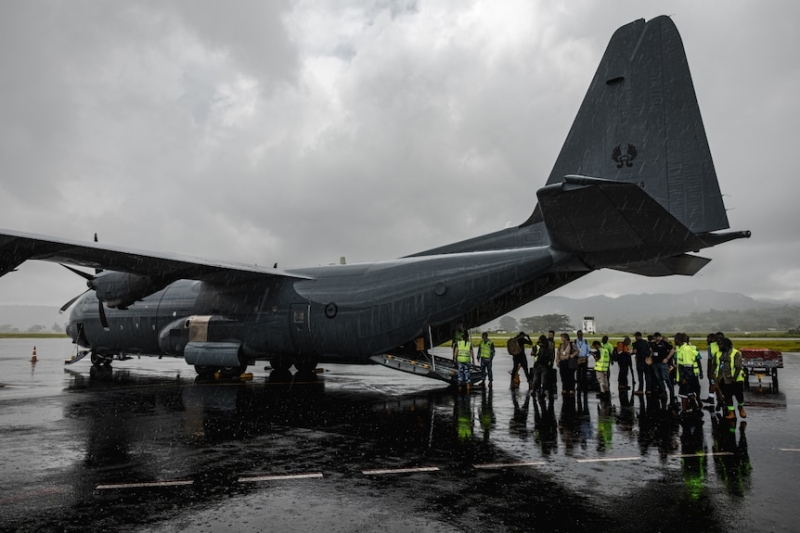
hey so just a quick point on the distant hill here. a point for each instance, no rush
(24, 317)
(652, 311)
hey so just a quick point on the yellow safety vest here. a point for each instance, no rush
(687, 356)
(734, 351)
(602, 364)
(715, 355)
(485, 350)
(463, 352)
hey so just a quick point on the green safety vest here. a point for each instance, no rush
(734, 351)
(715, 355)
(687, 356)
(463, 352)
(602, 364)
(485, 350)
(608, 347)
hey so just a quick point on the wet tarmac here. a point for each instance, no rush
(145, 446)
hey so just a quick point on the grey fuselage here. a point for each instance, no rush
(356, 310)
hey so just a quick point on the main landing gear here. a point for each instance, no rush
(207, 371)
(303, 363)
(99, 360)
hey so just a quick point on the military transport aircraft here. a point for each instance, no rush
(633, 189)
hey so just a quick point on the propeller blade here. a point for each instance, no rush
(69, 303)
(84, 275)
(102, 312)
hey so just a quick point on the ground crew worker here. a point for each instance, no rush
(663, 357)
(607, 345)
(687, 372)
(731, 376)
(486, 356)
(601, 368)
(712, 369)
(464, 357)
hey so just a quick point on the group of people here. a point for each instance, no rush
(659, 366)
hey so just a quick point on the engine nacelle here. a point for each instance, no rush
(121, 289)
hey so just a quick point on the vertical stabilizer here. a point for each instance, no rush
(640, 123)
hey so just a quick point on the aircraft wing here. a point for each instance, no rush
(17, 247)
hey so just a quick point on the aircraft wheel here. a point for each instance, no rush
(281, 362)
(99, 360)
(306, 364)
(205, 370)
(233, 371)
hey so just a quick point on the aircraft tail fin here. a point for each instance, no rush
(640, 124)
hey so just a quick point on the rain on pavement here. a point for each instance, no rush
(145, 446)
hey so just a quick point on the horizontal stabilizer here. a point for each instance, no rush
(684, 265)
(591, 215)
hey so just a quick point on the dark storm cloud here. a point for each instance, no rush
(298, 132)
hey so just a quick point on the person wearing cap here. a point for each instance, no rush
(663, 353)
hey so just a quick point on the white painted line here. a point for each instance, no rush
(149, 484)
(687, 455)
(280, 477)
(789, 449)
(381, 471)
(486, 466)
(608, 459)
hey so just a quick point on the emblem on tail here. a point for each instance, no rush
(626, 159)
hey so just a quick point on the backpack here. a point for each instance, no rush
(513, 346)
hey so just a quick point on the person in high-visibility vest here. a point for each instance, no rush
(601, 367)
(464, 357)
(714, 390)
(731, 376)
(687, 367)
(486, 356)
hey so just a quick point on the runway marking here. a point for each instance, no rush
(789, 449)
(146, 484)
(34, 494)
(608, 459)
(687, 455)
(280, 477)
(487, 466)
(381, 471)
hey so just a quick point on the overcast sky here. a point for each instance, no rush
(299, 132)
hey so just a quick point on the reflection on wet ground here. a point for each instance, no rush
(145, 445)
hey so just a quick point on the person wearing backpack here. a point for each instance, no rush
(516, 347)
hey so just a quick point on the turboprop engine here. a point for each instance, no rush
(121, 289)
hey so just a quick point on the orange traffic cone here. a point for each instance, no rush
(33, 356)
